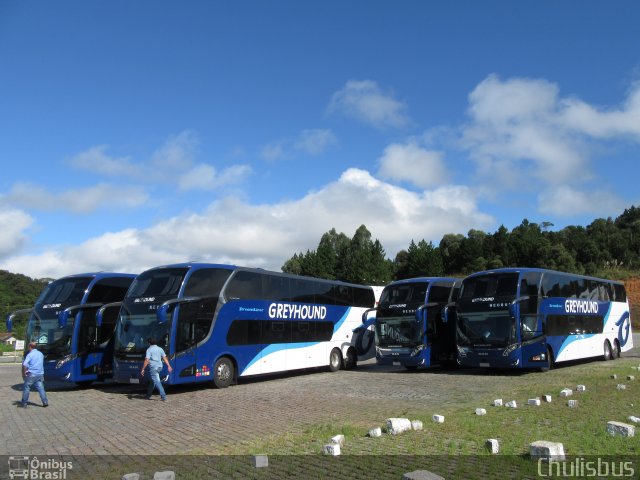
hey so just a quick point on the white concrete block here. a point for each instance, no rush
(511, 404)
(572, 403)
(421, 475)
(395, 426)
(497, 402)
(167, 475)
(546, 450)
(534, 402)
(566, 392)
(332, 449)
(416, 425)
(581, 388)
(493, 446)
(614, 376)
(260, 461)
(547, 398)
(633, 419)
(621, 386)
(481, 411)
(438, 418)
(631, 377)
(338, 439)
(131, 476)
(621, 429)
(375, 432)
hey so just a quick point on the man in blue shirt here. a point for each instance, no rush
(154, 357)
(33, 374)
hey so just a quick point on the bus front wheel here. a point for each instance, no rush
(617, 351)
(335, 360)
(351, 360)
(223, 372)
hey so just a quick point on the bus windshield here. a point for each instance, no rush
(69, 291)
(394, 330)
(495, 329)
(404, 293)
(133, 331)
(51, 340)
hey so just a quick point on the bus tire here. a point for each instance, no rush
(617, 351)
(335, 360)
(84, 384)
(607, 352)
(351, 359)
(361, 347)
(411, 367)
(223, 372)
(550, 361)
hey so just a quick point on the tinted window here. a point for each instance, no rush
(109, 290)
(414, 292)
(504, 284)
(162, 282)
(255, 332)
(439, 293)
(574, 324)
(619, 292)
(67, 290)
(206, 282)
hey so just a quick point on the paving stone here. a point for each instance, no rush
(260, 461)
(438, 418)
(396, 426)
(511, 404)
(547, 398)
(534, 402)
(621, 429)
(630, 377)
(614, 376)
(339, 439)
(546, 450)
(493, 446)
(421, 475)
(572, 403)
(481, 411)
(581, 388)
(497, 402)
(375, 432)
(566, 392)
(131, 476)
(633, 419)
(166, 475)
(416, 425)
(621, 386)
(332, 449)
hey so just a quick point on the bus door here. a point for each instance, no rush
(193, 325)
(87, 347)
(440, 334)
(532, 330)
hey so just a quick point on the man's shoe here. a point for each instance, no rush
(45, 405)
(163, 399)
(22, 405)
(147, 397)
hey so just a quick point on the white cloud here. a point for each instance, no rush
(364, 101)
(13, 224)
(315, 141)
(96, 160)
(177, 153)
(274, 151)
(566, 201)
(412, 163)
(81, 200)
(232, 231)
(205, 177)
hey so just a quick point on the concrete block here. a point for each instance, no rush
(260, 461)
(421, 475)
(416, 425)
(614, 376)
(511, 404)
(621, 429)
(497, 402)
(581, 388)
(633, 419)
(481, 411)
(331, 449)
(493, 446)
(547, 398)
(339, 439)
(438, 418)
(131, 476)
(375, 432)
(621, 386)
(572, 403)
(396, 426)
(546, 450)
(167, 475)
(566, 392)
(534, 402)
(631, 377)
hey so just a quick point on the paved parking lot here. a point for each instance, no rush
(115, 419)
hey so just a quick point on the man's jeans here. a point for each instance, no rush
(36, 381)
(154, 372)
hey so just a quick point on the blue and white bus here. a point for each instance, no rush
(220, 322)
(534, 318)
(62, 322)
(410, 328)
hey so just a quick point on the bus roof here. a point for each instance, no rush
(541, 270)
(424, 279)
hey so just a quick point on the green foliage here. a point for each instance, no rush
(17, 292)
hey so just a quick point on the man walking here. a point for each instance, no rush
(154, 357)
(33, 375)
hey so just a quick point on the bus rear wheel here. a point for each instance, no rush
(550, 363)
(616, 349)
(608, 353)
(223, 372)
(335, 360)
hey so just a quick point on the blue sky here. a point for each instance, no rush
(134, 134)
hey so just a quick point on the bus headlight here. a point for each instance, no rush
(541, 357)
(462, 351)
(64, 360)
(417, 350)
(378, 352)
(510, 349)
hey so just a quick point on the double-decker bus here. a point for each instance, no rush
(220, 322)
(63, 325)
(410, 327)
(534, 318)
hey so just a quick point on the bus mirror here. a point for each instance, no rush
(365, 314)
(512, 306)
(66, 313)
(12, 315)
(163, 310)
(100, 314)
(421, 309)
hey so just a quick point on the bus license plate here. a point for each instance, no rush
(134, 380)
(484, 364)
(396, 364)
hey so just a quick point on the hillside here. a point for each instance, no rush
(17, 291)
(633, 292)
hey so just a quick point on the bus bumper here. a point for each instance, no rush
(404, 357)
(59, 370)
(127, 371)
(490, 358)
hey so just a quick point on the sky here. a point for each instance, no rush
(138, 134)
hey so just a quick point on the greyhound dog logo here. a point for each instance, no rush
(624, 327)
